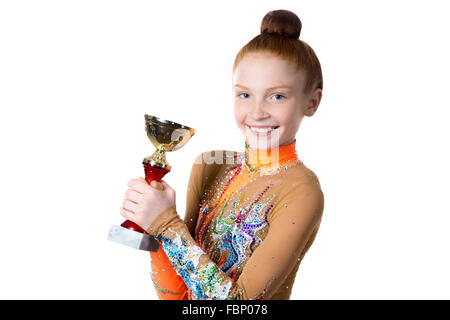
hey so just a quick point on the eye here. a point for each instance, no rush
(278, 95)
(245, 93)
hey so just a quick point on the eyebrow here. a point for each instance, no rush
(268, 89)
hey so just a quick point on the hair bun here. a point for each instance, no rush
(282, 22)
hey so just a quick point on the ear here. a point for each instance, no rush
(313, 102)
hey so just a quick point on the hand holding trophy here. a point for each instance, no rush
(166, 136)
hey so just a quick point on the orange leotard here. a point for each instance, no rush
(250, 218)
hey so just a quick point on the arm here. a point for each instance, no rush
(291, 224)
(168, 284)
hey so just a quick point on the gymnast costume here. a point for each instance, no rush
(250, 218)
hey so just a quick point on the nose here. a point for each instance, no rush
(258, 111)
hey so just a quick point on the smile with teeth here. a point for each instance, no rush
(262, 131)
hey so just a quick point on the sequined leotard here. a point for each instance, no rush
(250, 218)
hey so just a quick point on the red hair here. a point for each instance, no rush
(280, 32)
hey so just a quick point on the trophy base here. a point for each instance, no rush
(134, 239)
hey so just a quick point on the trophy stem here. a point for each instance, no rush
(151, 173)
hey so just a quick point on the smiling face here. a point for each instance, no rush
(269, 102)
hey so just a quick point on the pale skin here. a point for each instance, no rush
(256, 103)
(144, 202)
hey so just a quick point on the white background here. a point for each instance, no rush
(77, 77)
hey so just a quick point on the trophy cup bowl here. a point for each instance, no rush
(166, 136)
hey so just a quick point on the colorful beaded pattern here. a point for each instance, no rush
(229, 228)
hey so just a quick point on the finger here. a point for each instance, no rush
(165, 184)
(138, 185)
(134, 196)
(130, 206)
(157, 185)
(126, 214)
(142, 179)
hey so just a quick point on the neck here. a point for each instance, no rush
(273, 157)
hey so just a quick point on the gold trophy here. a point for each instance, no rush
(166, 136)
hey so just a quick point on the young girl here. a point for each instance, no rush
(250, 216)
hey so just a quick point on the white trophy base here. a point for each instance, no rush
(132, 238)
